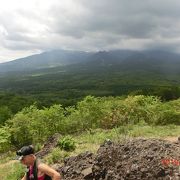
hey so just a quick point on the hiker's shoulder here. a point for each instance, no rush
(39, 161)
(41, 164)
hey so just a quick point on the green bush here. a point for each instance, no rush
(55, 156)
(5, 113)
(67, 144)
(33, 125)
(5, 142)
(167, 115)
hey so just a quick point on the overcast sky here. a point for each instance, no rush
(32, 26)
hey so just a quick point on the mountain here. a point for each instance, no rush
(162, 61)
(56, 58)
(44, 60)
(131, 63)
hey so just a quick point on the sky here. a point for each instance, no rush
(34, 26)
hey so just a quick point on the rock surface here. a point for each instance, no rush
(128, 160)
(48, 146)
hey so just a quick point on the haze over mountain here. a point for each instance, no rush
(154, 60)
(44, 60)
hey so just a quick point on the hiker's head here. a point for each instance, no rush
(26, 155)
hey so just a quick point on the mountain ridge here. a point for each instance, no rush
(57, 58)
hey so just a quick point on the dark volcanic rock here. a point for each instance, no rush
(79, 167)
(137, 159)
(129, 160)
(48, 146)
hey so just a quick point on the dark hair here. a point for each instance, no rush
(25, 150)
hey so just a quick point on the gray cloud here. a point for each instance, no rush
(92, 25)
(138, 19)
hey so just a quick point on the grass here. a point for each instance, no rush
(11, 170)
(155, 131)
(90, 141)
(5, 157)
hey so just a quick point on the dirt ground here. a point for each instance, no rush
(171, 139)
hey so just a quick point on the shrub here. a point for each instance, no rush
(4, 139)
(67, 144)
(55, 156)
(32, 126)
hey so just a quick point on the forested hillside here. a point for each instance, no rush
(105, 73)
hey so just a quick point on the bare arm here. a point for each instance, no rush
(49, 171)
(24, 178)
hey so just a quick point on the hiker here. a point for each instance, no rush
(36, 169)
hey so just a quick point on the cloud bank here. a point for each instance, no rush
(28, 27)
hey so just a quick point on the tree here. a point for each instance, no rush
(5, 113)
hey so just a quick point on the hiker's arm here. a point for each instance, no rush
(49, 171)
(24, 178)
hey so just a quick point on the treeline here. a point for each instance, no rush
(12, 102)
(34, 125)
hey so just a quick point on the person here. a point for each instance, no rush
(36, 169)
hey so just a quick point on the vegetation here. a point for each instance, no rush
(57, 155)
(67, 85)
(34, 126)
(11, 171)
(67, 144)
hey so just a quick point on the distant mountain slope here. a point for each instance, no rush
(122, 66)
(63, 57)
(45, 60)
(124, 59)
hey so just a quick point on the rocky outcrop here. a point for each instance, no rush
(128, 160)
